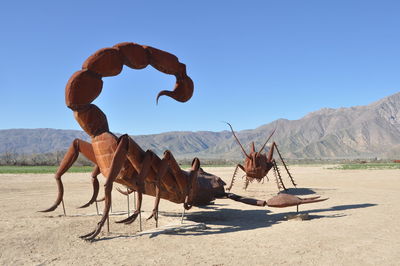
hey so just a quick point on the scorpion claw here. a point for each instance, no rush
(285, 200)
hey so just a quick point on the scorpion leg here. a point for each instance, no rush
(136, 213)
(163, 168)
(127, 193)
(77, 146)
(94, 233)
(144, 171)
(145, 168)
(168, 162)
(95, 183)
(192, 185)
(116, 165)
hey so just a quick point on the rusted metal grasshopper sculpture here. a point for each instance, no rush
(257, 164)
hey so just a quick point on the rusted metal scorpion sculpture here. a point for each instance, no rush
(257, 164)
(121, 159)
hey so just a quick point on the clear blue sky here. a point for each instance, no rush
(252, 62)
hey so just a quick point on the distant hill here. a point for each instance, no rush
(357, 132)
(41, 140)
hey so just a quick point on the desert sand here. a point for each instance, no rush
(357, 225)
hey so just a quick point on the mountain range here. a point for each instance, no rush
(369, 131)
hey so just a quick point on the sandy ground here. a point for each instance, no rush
(358, 225)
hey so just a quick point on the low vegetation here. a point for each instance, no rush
(12, 163)
(368, 166)
(43, 169)
(48, 163)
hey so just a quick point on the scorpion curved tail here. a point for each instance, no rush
(85, 85)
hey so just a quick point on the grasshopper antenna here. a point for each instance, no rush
(237, 140)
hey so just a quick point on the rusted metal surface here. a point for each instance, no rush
(286, 200)
(257, 164)
(122, 160)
